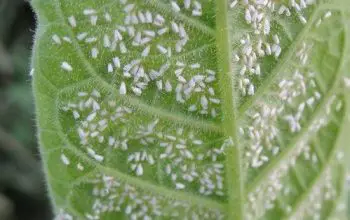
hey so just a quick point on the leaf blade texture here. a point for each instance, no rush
(192, 109)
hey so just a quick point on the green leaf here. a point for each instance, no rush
(184, 109)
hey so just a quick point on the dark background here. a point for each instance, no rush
(22, 189)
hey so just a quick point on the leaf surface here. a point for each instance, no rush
(192, 109)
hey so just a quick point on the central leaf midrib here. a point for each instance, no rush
(229, 96)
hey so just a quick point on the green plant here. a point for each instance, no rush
(184, 109)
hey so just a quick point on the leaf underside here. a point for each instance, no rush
(184, 109)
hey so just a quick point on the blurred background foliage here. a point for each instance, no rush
(22, 188)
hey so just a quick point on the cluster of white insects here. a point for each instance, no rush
(191, 84)
(324, 190)
(267, 193)
(263, 131)
(186, 158)
(261, 42)
(113, 195)
(261, 134)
